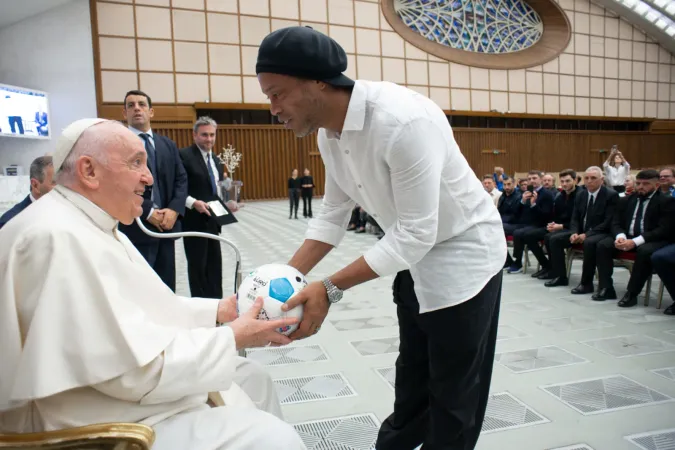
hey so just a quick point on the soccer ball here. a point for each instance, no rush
(275, 283)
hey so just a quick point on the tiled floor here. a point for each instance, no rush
(570, 373)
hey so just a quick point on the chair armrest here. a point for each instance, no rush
(117, 436)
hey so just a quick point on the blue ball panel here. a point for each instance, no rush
(281, 289)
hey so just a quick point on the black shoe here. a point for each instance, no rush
(540, 272)
(557, 281)
(605, 294)
(670, 311)
(548, 275)
(582, 289)
(628, 300)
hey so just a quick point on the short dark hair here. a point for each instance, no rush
(38, 167)
(137, 92)
(505, 178)
(647, 174)
(536, 172)
(567, 172)
(488, 177)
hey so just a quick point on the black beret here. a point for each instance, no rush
(304, 53)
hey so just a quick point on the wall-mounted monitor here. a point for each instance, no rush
(24, 113)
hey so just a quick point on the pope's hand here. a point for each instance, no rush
(250, 332)
(227, 309)
(315, 299)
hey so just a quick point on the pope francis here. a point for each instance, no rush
(90, 334)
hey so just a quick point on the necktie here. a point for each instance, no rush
(152, 165)
(212, 176)
(637, 228)
(589, 211)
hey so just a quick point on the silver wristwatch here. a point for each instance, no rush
(334, 292)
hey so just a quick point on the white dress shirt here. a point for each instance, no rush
(495, 194)
(190, 201)
(616, 177)
(397, 157)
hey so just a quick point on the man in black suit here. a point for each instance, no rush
(41, 182)
(563, 206)
(508, 204)
(591, 220)
(164, 201)
(535, 212)
(204, 173)
(643, 223)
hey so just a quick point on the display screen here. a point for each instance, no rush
(24, 113)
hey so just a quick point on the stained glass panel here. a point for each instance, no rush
(483, 26)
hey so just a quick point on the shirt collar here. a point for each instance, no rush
(139, 132)
(204, 152)
(356, 111)
(101, 219)
(32, 199)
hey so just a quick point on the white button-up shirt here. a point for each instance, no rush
(616, 176)
(396, 157)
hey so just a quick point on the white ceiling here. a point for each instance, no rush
(13, 11)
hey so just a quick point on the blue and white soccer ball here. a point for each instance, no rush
(275, 283)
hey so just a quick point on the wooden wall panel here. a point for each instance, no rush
(270, 152)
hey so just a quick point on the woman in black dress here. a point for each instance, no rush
(307, 184)
(294, 184)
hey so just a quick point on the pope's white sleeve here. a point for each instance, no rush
(204, 311)
(197, 361)
(330, 225)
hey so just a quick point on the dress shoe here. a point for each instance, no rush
(548, 275)
(582, 289)
(670, 311)
(557, 281)
(628, 300)
(605, 294)
(539, 272)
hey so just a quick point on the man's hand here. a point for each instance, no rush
(315, 299)
(620, 240)
(232, 206)
(227, 310)
(249, 332)
(526, 195)
(554, 227)
(534, 198)
(577, 238)
(156, 219)
(625, 245)
(201, 207)
(170, 217)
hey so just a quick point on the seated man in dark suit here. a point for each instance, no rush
(643, 223)
(509, 205)
(164, 201)
(663, 262)
(204, 173)
(591, 220)
(535, 212)
(41, 182)
(563, 206)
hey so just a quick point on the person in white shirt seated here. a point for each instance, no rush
(490, 188)
(629, 186)
(90, 333)
(616, 170)
(392, 151)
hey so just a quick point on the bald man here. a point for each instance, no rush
(98, 337)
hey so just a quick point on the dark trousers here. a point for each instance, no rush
(307, 204)
(205, 267)
(590, 247)
(531, 238)
(161, 255)
(642, 267)
(294, 199)
(443, 370)
(620, 188)
(663, 262)
(556, 243)
(519, 242)
(16, 122)
(509, 229)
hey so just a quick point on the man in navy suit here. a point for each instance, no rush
(41, 182)
(164, 201)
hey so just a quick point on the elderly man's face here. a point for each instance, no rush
(593, 180)
(124, 177)
(547, 181)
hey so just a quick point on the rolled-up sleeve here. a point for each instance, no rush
(330, 225)
(416, 163)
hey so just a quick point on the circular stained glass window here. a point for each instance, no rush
(482, 26)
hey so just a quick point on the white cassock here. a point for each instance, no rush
(90, 334)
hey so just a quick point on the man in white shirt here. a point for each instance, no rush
(489, 185)
(392, 151)
(98, 337)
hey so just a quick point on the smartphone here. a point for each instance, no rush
(530, 188)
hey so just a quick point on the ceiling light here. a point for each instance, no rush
(652, 16)
(660, 3)
(630, 3)
(670, 30)
(661, 24)
(671, 8)
(641, 8)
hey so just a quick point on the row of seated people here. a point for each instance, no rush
(360, 218)
(594, 218)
